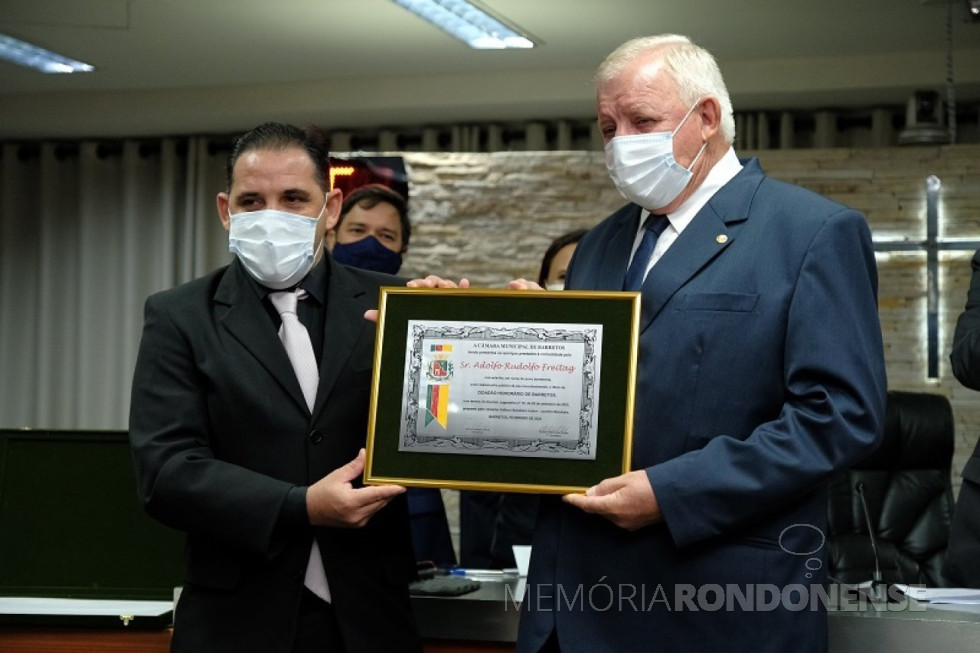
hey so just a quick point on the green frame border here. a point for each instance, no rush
(619, 314)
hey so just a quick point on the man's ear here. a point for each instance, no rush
(331, 212)
(710, 113)
(223, 214)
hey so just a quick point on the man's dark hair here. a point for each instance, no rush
(553, 249)
(368, 197)
(278, 136)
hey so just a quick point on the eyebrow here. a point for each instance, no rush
(363, 223)
(251, 194)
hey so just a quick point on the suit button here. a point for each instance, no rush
(315, 436)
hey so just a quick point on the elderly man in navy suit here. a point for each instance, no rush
(761, 374)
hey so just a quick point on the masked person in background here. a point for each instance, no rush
(554, 265)
(373, 230)
(372, 233)
(248, 417)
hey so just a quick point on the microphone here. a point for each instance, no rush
(878, 591)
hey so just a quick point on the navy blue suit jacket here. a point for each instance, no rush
(761, 373)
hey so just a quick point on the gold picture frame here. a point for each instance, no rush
(570, 458)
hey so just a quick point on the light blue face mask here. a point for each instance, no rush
(276, 247)
(644, 169)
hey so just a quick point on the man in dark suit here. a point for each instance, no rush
(962, 563)
(760, 374)
(285, 550)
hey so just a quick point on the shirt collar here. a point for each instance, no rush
(720, 174)
(314, 283)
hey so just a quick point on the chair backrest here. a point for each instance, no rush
(907, 485)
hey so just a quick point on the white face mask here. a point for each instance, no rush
(644, 170)
(275, 247)
(560, 285)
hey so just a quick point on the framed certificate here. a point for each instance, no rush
(516, 391)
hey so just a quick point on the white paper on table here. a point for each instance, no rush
(954, 595)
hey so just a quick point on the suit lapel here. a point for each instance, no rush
(247, 320)
(612, 267)
(711, 231)
(342, 327)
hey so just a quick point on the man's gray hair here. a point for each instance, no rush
(692, 68)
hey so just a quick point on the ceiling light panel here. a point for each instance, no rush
(469, 23)
(25, 54)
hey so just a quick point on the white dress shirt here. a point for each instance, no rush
(722, 172)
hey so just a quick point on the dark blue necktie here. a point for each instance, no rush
(653, 227)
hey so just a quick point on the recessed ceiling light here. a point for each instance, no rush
(32, 56)
(469, 22)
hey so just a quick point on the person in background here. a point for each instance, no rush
(760, 375)
(372, 233)
(248, 418)
(962, 564)
(554, 265)
(491, 523)
(373, 230)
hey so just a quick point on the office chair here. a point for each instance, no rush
(907, 492)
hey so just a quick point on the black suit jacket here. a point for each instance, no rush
(220, 433)
(962, 564)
